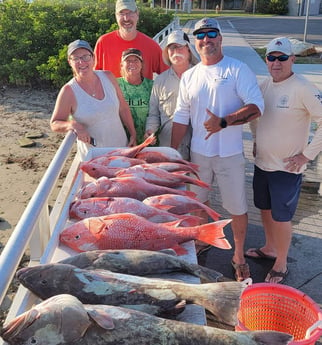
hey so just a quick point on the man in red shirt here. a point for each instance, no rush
(109, 47)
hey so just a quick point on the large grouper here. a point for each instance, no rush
(156, 296)
(141, 263)
(64, 320)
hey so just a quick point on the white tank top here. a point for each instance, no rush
(101, 117)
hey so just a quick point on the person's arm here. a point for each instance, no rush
(178, 132)
(153, 120)
(124, 111)
(60, 121)
(245, 114)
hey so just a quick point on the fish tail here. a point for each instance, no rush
(213, 233)
(222, 300)
(271, 337)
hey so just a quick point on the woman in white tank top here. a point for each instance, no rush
(92, 104)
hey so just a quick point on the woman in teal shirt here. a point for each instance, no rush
(136, 89)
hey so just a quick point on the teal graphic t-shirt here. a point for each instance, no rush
(137, 96)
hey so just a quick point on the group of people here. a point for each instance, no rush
(198, 104)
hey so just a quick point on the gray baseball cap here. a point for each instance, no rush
(125, 5)
(206, 23)
(78, 44)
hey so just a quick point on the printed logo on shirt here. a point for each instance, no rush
(283, 102)
(137, 102)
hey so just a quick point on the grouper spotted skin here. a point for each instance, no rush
(64, 320)
(106, 287)
(140, 263)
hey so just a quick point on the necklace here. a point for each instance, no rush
(91, 91)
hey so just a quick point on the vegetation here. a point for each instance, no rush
(34, 36)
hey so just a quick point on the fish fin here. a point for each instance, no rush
(168, 251)
(206, 274)
(212, 233)
(271, 337)
(179, 249)
(190, 194)
(100, 316)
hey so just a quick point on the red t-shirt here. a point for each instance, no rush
(109, 48)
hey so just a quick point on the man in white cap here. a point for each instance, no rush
(282, 149)
(217, 97)
(109, 47)
(180, 55)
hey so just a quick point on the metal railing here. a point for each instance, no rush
(161, 36)
(33, 227)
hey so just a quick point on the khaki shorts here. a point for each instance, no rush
(229, 173)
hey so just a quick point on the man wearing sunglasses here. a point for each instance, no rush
(282, 150)
(218, 96)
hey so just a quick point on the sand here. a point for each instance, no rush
(23, 112)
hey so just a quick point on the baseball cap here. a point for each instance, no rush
(125, 5)
(206, 23)
(131, 52)
(78, 44)
(179, 37)
(280, 44)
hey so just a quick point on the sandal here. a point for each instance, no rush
(241, 271)
(257, 253)
(273, 274)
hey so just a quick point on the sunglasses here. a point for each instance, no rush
(272, 58)
(209, 34)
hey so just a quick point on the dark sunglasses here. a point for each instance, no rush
(209, 34)
(272, 58)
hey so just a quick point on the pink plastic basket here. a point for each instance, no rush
(280, 308)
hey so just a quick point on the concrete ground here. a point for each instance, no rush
(305, 259)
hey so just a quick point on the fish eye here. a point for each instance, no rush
(77, 237)
(43, 282)
(32, 340)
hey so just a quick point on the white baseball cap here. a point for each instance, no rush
(281, 45)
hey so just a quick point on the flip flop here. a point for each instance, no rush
(273, 274)
(260, 254)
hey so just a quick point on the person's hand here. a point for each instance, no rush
(81, 132)
(147, 134)
(132, 141)
(295, 163)
(212, 125)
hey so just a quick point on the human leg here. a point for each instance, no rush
(281, 194)
(268, 250)
(282, 236)
(230, 174)
(206, 174)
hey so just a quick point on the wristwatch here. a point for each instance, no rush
(223, 123)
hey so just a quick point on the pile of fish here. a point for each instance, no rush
(136, 201)
(64, 320)
(129, 222)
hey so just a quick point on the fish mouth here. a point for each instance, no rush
(21, 272)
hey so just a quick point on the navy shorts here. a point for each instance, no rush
(278, 191)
